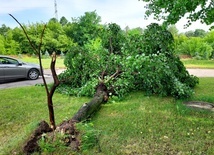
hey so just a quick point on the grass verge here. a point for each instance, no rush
(136, 125)
(193, 63)
(46, 61)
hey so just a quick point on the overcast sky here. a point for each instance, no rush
(123, 12)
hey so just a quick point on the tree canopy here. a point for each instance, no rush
(144, 62)
(144, 59)
(171, 11)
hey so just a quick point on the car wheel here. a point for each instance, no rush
(33, 74)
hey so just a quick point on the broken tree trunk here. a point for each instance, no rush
(86, 111)
(91, 107)
(68, 127)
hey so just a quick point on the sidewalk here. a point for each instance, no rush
(48, 71)
(202, 72)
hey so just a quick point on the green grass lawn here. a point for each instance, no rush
(45, 61)
(189, 63)
(193, 63)
(138, 124)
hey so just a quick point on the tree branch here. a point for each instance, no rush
(35, 49)
(53, 71)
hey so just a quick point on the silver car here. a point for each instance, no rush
(11, 68)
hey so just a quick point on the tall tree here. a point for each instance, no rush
(172, 11)
(113, 38)
(199, 33)
(63, 21)
(4, 29)
(84, 28)
(189, 33)
(2, 48)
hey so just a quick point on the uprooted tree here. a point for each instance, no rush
(67, 127)
(115, 63)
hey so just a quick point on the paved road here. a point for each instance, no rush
(202, 72)
(49, 79)
(20, 83)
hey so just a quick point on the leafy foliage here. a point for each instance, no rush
(84, 28)
(60, 36)
(172, 11)
(113, 38)
(84, 65)
(156, 69)
(147, 62)
(195, 47)
(209, 39)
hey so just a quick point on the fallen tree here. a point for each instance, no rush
(68, 127)
(144, 63)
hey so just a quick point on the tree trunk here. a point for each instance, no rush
(68, 127)
(91, 107)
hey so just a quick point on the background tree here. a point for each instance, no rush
(209, 38)
(11, 46)
(20, 38)
(2, 48)
(173, 30)
(199, 33)
(196, 48)
(196, 33)
(190, 33)
(172, 11)
(63, 21)
(4, 29)
(135, 31)
(113, 38)
(84, 28)
(55, 38)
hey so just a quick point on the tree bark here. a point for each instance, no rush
(91, 107)
(68, 127)
(51, 92)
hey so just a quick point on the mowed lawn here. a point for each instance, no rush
(189, 63)
(138, 124)
(46, 61)
(193, 63)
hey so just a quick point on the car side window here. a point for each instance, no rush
(1, 61)
(10, 61)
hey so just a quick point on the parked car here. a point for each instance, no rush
(11, 69)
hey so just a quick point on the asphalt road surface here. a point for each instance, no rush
(202, 72)
(24, 82)
(49, 79)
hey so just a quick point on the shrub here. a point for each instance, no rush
(195, 47)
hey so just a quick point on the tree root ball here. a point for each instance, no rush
(32, 145)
